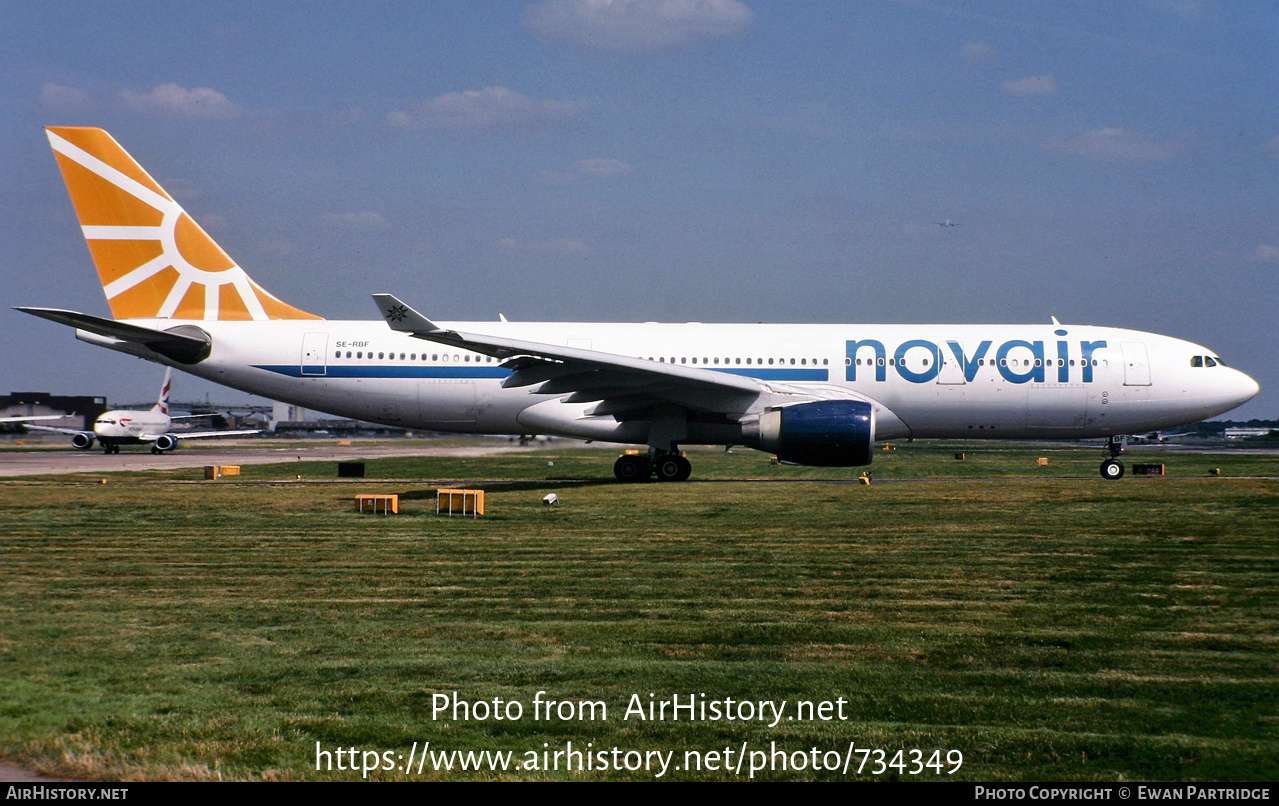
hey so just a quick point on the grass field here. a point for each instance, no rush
(1048, 626)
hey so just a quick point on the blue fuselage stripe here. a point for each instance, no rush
(384, 371)
(409, 371)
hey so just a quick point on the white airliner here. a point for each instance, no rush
(127, 427)
(811, 394)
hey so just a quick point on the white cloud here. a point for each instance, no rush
(1189, 10)
(64, 100)
(489, 108)
(351, 114)
(212, 222)
(557, 177)
(636, 25)
(281, 247)
(595, 167)
(1114, 145)
(1265, 254)
(809, 119)
(368, 220)
(555, 246)
(1031, 85)
(976, 53)
(600, 166)
(183, 189)
(170, 100)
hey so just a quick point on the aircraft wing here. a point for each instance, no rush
(32, 419)
(55, 429)
(198, 434)
(620, 384)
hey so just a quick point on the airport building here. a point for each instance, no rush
(79, 412)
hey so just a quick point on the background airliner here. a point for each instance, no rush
(812, 394)
(150, 426)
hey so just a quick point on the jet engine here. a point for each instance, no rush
(824, 433)
(82, 442)
(166, 442)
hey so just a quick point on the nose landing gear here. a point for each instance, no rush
(1112, 468)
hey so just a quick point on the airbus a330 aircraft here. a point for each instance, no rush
(127, 427)
(811, 394)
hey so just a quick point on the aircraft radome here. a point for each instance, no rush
(153, 426)
(811, 394)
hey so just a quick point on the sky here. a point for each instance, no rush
(669, 160)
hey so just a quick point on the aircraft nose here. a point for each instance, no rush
(1247, 388)
(1228, 388)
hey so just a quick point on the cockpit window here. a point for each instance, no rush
(1219, 361)
(1197, 361)
(1208, 362)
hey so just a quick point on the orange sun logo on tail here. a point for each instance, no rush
(153, 259)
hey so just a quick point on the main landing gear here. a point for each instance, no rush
(1112, 468)
(665, 465)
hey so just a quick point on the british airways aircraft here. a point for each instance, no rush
(151, 426)
(811, 394)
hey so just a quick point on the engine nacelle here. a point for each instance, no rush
(166, 442)
(82, 442)
(824, 433)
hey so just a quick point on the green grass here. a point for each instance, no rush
(1049, 627)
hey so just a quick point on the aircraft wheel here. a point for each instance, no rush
(1112, 469)
(673, 468)
(631, 468)
(686, 469)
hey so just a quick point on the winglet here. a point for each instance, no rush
(399, 316)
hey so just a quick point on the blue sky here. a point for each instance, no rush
(711, 160)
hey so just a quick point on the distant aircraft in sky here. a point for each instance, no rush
(947, 224)
(811, 394)
(126, 427)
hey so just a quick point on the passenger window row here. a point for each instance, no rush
(456, 358)
(694, 361)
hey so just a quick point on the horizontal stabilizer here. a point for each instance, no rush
(188, 347)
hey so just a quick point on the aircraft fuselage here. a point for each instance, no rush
(928, 381)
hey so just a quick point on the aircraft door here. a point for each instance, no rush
(1136, 364)
(315, 350)
(951, 371)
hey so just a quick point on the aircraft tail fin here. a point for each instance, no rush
(154, 261)
(162, 405)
